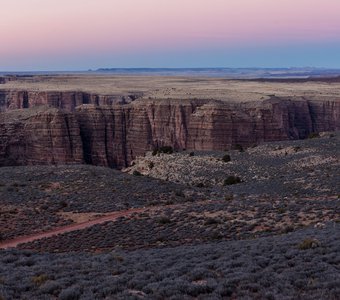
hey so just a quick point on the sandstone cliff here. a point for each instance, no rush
(46, 136)
(99, 130)
(113, 136)
(17, 99)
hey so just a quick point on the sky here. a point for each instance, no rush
(62, 35)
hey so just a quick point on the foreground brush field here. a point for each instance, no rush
(255, 223)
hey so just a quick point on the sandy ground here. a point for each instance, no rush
(175, 87)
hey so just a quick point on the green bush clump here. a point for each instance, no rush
(163, 149)
(281, 210)
(164, 220)
(308, 243)
(231, 180)
(239, 147)
(229, 197)
(226, 158)
(40, 279)
(180, 193)
(211, 221)
(313, 135)
(136, 173)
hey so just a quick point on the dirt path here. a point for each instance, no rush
(78, 226)
(106, 218)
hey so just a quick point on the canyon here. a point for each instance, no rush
(110, 124)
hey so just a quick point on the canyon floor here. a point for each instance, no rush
(254, 223)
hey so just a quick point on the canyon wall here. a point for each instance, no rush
(75, 127)
(47, 136)
(14, 99)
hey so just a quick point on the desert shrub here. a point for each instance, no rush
(40, 279)
(229, 197)
(117, 257)
(239, 147)
(200, 185)
(308, 243)
(288, 228)
(63, 204)
(211, 221)
(164, 220)
(192, 154)
(136, 173)
(166, 149)
(226, 158)
(179, 193)
(231, 180)
(281, 210)
(313, 135)
(163, 149)
(216, 236)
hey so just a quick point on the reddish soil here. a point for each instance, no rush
(78, 226)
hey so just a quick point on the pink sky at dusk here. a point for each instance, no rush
(30, 29)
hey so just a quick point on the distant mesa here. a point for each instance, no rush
(236, 73)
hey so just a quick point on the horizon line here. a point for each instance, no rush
(174, 68)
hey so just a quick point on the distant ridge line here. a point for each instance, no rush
(242, 73)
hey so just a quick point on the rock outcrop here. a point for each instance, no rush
(4, 79)
(46, 136)
(111, 131)
(14, 99)
(113, 136)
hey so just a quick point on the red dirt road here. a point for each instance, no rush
(73, 227)
(108, 217)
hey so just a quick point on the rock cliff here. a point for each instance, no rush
(111, 130)
(14, 99)
(114, 136)
(47, 136)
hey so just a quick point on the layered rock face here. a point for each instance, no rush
(68, 101)
(103, 132)
(44, 137)
(114, 136)
(4, 79)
